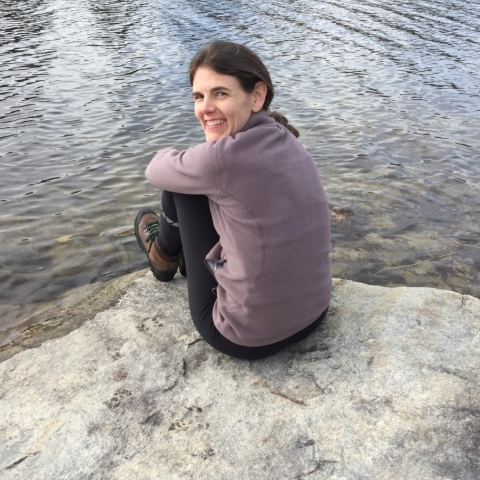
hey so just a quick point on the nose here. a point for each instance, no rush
(207, 105)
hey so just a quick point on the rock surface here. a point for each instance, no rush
(387, 388)
(30, 325)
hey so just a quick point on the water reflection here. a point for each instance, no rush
(385, 97)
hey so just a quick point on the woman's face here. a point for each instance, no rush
(221, 105)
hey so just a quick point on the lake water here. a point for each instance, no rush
(385, 95)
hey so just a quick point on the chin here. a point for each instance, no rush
(213, 136)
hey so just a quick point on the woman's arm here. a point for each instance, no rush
(193, 171)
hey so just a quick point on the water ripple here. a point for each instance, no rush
(385, 97)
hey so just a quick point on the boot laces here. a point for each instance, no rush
(152, 229)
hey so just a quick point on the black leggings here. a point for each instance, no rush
(186, 222)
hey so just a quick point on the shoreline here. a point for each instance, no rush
(37, 323)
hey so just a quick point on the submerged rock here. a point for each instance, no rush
(340, 216)
(387, 388)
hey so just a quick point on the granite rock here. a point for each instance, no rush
(386, 388)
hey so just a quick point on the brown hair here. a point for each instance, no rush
(237, 60)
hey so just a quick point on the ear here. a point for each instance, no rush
(259, 94)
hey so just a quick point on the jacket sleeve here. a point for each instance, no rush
(193, 171)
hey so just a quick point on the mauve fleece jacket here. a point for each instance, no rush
(271, 213)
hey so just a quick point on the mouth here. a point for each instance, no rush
(214, 123)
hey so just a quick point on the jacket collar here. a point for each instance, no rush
(259, 118)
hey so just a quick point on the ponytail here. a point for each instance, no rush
(282, 120)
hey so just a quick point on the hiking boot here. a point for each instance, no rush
(163, 266)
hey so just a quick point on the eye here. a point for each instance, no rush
(221, 94)
(197, 98)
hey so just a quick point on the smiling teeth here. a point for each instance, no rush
(212, 123)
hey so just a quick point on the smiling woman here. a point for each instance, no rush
(244, 212)
(221, 104)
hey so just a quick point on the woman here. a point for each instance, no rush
(245, 213)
